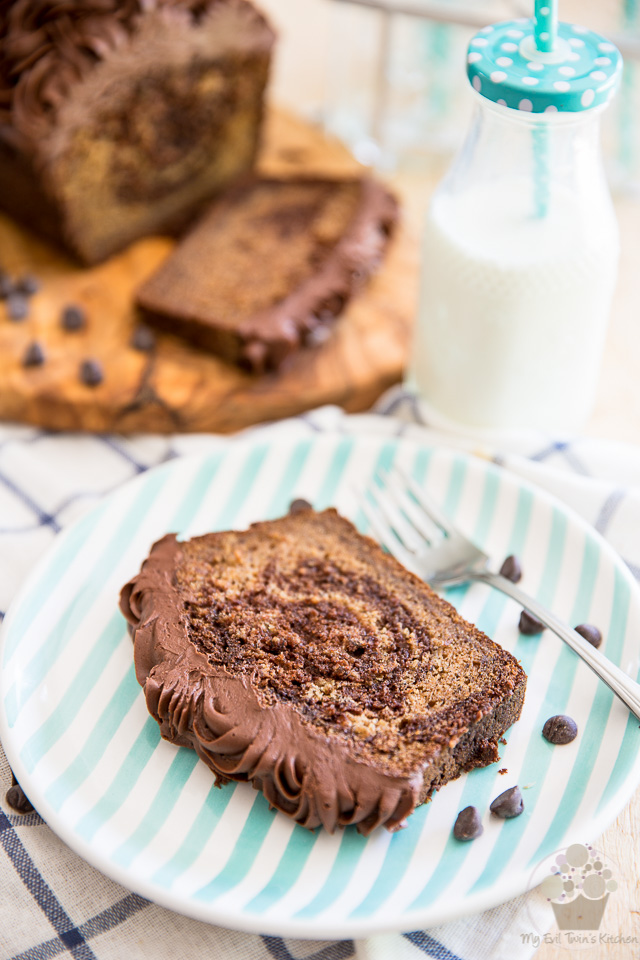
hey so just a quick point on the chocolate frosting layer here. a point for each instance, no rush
(310, 777)
(47, 46)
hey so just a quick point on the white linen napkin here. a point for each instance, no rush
(52, 903)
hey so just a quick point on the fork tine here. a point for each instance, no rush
(429, 506)
(387, 537)
(394, 485)
(400, 526)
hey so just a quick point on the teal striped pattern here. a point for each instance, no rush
(147, 813)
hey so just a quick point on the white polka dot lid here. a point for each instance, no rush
(580, 72)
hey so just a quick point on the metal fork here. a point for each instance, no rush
(414, 529)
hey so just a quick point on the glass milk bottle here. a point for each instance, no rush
(521, 243)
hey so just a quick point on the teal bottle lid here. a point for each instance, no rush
(582, 70)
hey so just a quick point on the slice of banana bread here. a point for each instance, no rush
(270, 266)
(299, 656)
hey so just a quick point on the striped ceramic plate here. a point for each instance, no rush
(79, 738)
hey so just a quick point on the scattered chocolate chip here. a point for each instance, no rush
(530, 625)
(17, 799)
(298, 505)
(560, 729)
(6, 285)
(143, 339)
(34, 355)
(73, 317)
(503, 771)
(509, 804)
(468, 825)
(91, 373)
(590, 633)
(17, 306)
(511, 569)
(28, 285)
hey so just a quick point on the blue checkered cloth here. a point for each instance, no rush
(52, 903)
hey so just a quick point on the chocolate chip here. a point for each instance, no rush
(34, 355)
(6, 285)
(143, 339)
(73, 317)
(298, 505)
(17, 306)
(91, 373)
(509, 804)
(17, 799)
(511, 569)
(468, 825)
(28, 284)
(560, 729)
(590, 633)
(530, 625)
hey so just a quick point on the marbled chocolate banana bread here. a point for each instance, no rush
(118, 119)
(271, 266)
(299, 656)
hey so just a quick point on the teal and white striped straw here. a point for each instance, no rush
(546, 24)
(627, 139)
(545, 34)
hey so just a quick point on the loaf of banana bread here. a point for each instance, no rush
(299, 656)
(117, 119)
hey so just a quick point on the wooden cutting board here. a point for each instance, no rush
(177, 387)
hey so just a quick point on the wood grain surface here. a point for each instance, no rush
(177, 387)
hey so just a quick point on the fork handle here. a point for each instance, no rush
(616, 679)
